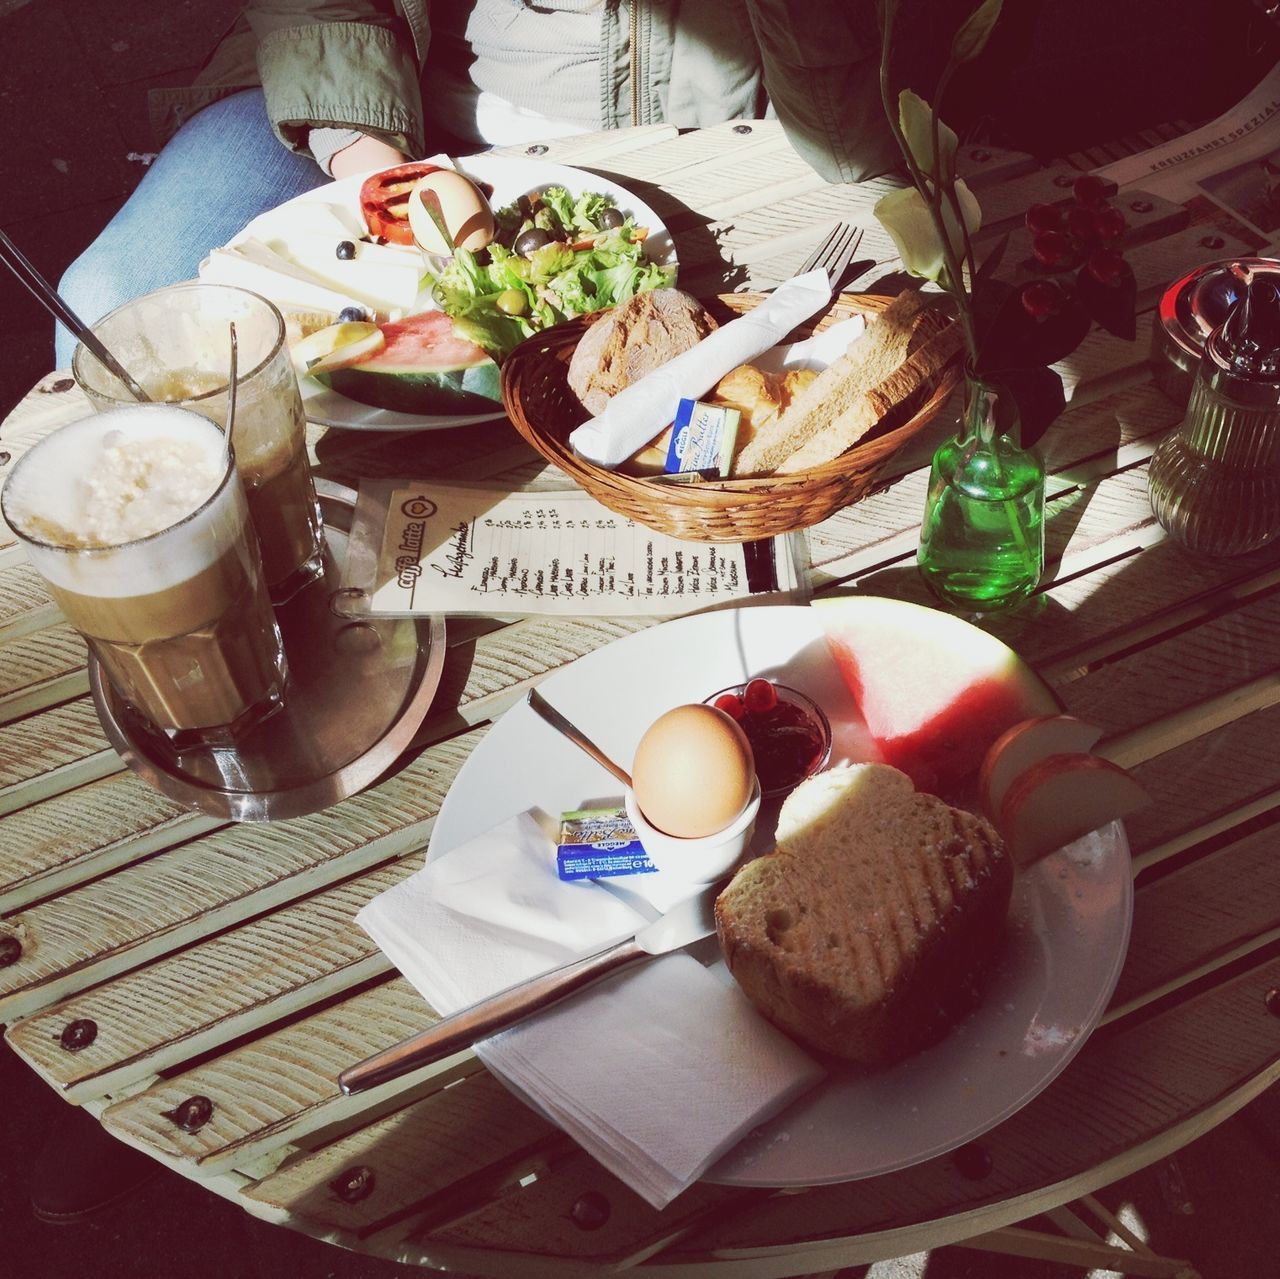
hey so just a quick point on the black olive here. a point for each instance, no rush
(350, 314)
(610, 218)
(529, 241)
(345, 250)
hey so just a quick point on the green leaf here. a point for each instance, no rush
(973, 35)
(1028, 402)
(1113, 306)
(991, 264)
(915, 118)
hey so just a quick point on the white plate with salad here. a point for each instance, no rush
(442, 323)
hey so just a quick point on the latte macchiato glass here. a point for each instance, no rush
(137, 521)
(175, 343)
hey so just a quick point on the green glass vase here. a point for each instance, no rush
(982, 538)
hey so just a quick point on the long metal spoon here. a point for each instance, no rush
(232, 374)
(541, 707)
(52, 300)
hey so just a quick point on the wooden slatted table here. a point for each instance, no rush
(222, 962)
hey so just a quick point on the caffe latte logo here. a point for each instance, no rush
(419, 508)
(418, 511)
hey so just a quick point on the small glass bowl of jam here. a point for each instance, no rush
(789, 734)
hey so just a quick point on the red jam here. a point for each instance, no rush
(789, 735)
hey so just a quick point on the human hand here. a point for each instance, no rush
(364, 155)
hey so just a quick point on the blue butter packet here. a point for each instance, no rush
(702, 438)
(599, 843)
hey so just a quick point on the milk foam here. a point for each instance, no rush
(92, 489)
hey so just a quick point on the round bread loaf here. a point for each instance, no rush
(866, 932)
(633, 339)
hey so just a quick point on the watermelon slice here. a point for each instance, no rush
(424, 369)
(934, 691)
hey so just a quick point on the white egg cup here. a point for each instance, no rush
(702, 860)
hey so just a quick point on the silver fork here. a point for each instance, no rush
(835, 253)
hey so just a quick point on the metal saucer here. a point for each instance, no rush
(356, 695)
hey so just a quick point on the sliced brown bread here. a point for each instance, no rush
(933, 346)
(634, 339)
(840, 386)
(866, 932)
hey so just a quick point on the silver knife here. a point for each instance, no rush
(684, 924)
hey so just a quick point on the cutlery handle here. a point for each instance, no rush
(461, 1030)
(543, 708)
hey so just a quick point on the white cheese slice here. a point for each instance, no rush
(251, 265)
(257, 266)
(385, 277)
(318, 220)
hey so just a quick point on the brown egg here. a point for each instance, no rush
(465, 210)
(693, 772)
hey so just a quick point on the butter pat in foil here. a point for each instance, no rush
(599, 843)
(702, 438)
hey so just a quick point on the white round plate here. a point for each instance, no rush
(510, 177)
(1068, 926)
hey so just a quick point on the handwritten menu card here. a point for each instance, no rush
(459, 549)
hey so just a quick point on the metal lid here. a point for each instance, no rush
(1192, 307)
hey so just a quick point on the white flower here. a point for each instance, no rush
(908, 219)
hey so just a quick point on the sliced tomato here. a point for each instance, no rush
(384, 200)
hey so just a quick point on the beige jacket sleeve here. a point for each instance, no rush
(350, 64)
(822, 74)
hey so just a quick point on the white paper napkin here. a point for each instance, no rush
(656, 1073)
(635, 415)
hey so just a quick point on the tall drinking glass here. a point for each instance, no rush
(174, 343)
(137, 520)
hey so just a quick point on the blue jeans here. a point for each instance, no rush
(219, 171)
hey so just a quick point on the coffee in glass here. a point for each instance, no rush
(174, 342)
(137, 521)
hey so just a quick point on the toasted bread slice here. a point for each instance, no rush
(869, 360)
(866, 932)
(941, 343)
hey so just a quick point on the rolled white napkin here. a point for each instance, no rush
(656, 1073)
(635, 415)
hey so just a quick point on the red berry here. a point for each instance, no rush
(1051, 248)
(1109, 223)
(1081, 222)
(1107, 266)
(1093, 191)
(731, 704)
(760, 696)
(1041, 298)
(1043, 217)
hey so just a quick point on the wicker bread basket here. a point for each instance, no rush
(544, 410)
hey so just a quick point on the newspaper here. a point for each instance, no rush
(1234, 161)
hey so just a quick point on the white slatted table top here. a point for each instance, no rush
(225, 981)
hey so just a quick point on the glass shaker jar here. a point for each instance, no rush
(1214, 483)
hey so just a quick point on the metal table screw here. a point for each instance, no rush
(1064, 180)
(354, 1184)
(192, 1114)
(973, 1161)
(742, 128)
(1213, 242)
(78, 1034)
(1141, 206)
(980, 155)
(590, 1212)
(538, 148)
(1272, 1001)
(10, 946)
